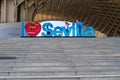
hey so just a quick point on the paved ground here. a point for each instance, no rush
(83, 57)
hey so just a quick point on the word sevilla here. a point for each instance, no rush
(56, 29)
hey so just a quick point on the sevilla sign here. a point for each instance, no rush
(56, 29)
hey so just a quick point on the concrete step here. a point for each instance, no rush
(61, 64)
(26, 57)
(53, 68)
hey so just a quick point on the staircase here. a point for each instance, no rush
(60, 59)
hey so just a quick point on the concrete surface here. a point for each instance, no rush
(60, 57)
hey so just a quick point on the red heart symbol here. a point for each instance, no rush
(33, 29)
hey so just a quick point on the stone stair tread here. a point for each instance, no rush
(60, 57)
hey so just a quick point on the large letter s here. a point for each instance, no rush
(46, 27)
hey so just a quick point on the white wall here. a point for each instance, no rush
(10, 30)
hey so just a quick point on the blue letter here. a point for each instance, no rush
(67, 33)
(46, 28)
(23, 29)
(89, 31)
(58, 31)
(79, 28)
